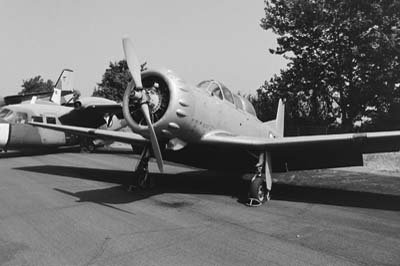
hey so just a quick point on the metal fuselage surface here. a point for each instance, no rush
(16, 133)
(21, 135)
(194, 112)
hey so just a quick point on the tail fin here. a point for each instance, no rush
(280, 118)
(56, 97)
(65, 82)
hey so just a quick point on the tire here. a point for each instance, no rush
(258, 189)
(144, 180)
(87, 146)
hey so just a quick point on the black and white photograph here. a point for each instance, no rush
(149, 132)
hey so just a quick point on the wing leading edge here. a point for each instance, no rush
(386, 141)
(126, 137)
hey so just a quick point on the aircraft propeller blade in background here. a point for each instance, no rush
(134, 68)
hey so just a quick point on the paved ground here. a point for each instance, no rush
(72, 209)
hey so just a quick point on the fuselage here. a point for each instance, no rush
(15, 133)
(195, 111)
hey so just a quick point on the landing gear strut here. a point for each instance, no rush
(260, 184)
(142, 179)
(87, 145)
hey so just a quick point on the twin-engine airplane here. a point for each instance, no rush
(64, 86)
(210, 127)
(61, 107)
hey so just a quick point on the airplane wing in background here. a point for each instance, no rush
(91, 116)
(126, 137)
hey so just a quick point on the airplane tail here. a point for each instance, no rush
(280, 118)
(279, 123)
(65, 82)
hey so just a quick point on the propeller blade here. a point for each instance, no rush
(133, 61)
(153, 137)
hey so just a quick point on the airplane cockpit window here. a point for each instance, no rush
(204, 84)
(4, 113)
(215, 90)
(227, 94)
(248, 107)
(212, 87)
(21, 118)
(238, 102)
(14, 117)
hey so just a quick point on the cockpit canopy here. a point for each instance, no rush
(219, 90)
(13, 117)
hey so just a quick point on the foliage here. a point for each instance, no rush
(114, 81)
(36, 84)
(344, 60)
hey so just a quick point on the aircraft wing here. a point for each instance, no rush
(91, 116)
(311, 152)
(126, 137)
(367, 142)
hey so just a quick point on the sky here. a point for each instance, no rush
(203, 39)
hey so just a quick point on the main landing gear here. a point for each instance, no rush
(87, 145)
(260, 184)
(141, 176)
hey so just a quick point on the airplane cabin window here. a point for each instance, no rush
(37, 119)
(51, 120)
(238, 102)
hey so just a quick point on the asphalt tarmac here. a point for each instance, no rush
(74, 209)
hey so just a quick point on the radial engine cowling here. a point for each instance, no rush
(169, 99)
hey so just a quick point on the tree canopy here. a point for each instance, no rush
(36, 84)
(114, 81)
(344, 61)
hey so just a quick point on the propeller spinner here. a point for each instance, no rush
(141, 96)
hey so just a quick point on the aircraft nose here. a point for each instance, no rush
(4, 133)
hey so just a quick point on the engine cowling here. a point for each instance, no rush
(169, 102)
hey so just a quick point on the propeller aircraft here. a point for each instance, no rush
(208, 126)
(64, 106)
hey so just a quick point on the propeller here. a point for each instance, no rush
(141, 96)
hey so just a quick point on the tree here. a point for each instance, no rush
(343, 57)
(114, 81)
(36, 84)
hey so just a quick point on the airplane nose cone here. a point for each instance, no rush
(4, 134)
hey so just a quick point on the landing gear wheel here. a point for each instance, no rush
(87, 146)
(144, 180)
(258, 192)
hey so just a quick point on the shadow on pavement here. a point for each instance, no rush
(206, 182)
(37, 151)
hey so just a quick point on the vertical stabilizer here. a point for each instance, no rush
(56, 97)
(66, 80)
(280, 118)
